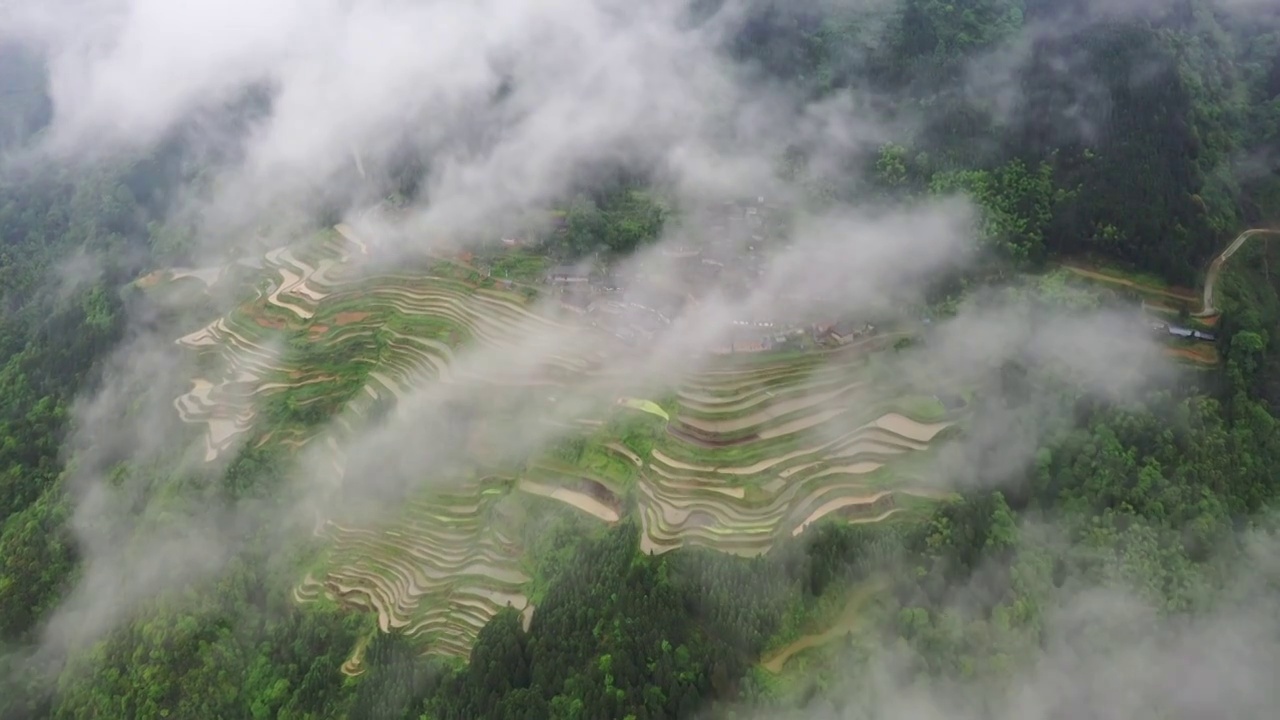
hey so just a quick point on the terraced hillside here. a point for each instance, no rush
(734, 457)
(438, 571)
(756, 453)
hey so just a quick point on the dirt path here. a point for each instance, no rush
(354, 666)
(1114, 280)
(1207, 308)
(849, 621)
(1215, 268)
(209, 275)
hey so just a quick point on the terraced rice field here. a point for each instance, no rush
(759, 454)
(737, 458)
(439, 571)
(322, 331)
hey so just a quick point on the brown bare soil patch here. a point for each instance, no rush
(270, 322)
(599, 493)
(849, 621)
(1203, 355)
(151, 279)
(1177, 293)
(1160, 307)
(347, 318)
(583, 501)
(317, 331)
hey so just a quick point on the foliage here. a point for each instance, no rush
(613, 637)
(617, 221)
(234, 646)
(1017, 205)
(1123, 145)
(56, 325)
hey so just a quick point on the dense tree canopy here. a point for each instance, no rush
(1145, 139)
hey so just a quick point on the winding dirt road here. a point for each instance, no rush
(1182, 296)
(849, 621)
(1207, 308)
(1215, 268)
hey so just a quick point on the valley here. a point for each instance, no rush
(744, 452)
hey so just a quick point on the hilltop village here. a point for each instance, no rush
(635, 304)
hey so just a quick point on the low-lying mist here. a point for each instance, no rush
(511, 103)
(1102, 648)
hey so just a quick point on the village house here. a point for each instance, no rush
(665, 304)
(1182, 332)
(741, 346)
(753, 345)
(680, 252)
(567, 275)
(609, 307)
(643, 313)
(842, 332)
(608, 282)
(578, 302)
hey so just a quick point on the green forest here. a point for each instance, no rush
(1142, 141)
